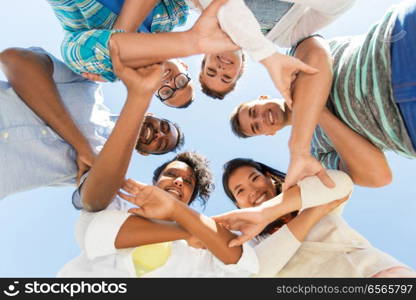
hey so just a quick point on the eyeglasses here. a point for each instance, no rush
(166, 92)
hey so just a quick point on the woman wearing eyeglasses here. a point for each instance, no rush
(90, 29)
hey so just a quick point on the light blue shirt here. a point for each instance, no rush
(32, 155)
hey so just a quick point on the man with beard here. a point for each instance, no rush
(52, 137)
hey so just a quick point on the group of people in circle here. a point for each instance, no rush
(348, 99)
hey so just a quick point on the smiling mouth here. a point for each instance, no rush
(260, 200)
(166, 74)
(225, 60)
(147, 134)
(174, 192)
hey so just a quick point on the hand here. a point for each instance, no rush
(85, 160)
(153, 202)
(195, 243)
(93, 77)
(145, 80)
(304, 165)
(283, 71)
(249, 221)
(208, 34)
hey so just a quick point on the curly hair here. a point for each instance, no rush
(203, 174)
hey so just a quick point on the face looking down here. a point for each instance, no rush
(157, 136)
(262, 117)
(178, 179)
(176, 88)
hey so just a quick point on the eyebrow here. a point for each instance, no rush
(236, 187)
(252, 175)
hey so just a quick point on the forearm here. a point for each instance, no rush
(214, 236)
(310, 93)
(364, 162)
(133, 13)
(246, 32)
(31, 76)
(137, 231)
(333, 7)
(142, 49)
(108, 172)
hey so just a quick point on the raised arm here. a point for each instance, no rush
(309, 192)
(31, 76)
(133, 13)
(248, 36)
(310, 93)
(157, 204)
(276, 250)
(364, 162)
(319, 13)
(107, 174)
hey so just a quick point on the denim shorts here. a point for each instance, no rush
(268, 12)
(403, 63)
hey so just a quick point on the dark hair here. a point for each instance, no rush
(199, 164)
(235, 123)
(277, 176)
(232, 165)
(215, 94)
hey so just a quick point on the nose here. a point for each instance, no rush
(159, 134)
(251, 196)
(178, 181)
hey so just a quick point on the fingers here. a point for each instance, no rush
(325, 179)
(93, 77)
(137, 211)
(306, 68)
(133, 187)
(238, 241)
(213, 8)
(131, 199)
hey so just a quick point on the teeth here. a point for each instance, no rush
(148, 132)
(172, 191)
(271, 119)
(225, 60)
(260, 200)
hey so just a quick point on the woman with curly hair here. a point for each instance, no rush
(118, 243)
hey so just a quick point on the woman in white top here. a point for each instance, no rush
(116, 243)
(331, 248)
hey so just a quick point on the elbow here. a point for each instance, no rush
(233, 256)
(11, 56)
(91, 205)
(375, 178)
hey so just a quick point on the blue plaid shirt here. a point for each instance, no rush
(31, 153)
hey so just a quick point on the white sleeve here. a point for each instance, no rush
(246, 266)
(314, 192)
(331, 8)
(275, 251)
(96, 232)
(318, 15)
(237, 20)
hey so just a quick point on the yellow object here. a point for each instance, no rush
(150, 257)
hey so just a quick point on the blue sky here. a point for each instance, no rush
(36, 227)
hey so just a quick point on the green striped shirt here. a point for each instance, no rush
(362, 95)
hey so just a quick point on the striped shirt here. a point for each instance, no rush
(362, 95)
